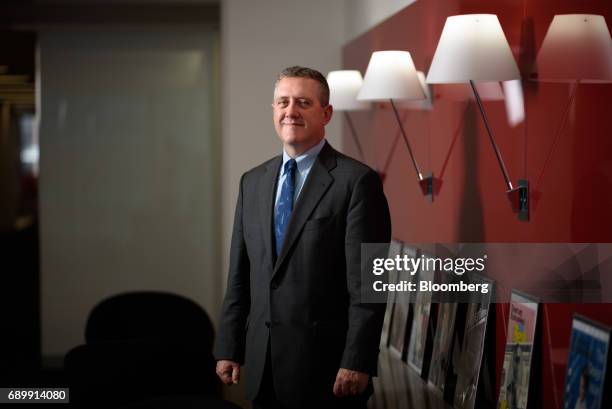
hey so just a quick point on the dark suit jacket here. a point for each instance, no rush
(306, 302)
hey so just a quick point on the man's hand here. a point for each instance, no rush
(228, 371)
(349, 382)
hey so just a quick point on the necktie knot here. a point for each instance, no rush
(290, 166)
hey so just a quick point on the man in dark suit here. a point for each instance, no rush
(292, 314)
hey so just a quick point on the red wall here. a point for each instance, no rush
(570, 171)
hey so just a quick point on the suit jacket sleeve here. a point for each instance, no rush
(236, 305)
(368, 221)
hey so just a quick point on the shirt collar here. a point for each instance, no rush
(306, 159)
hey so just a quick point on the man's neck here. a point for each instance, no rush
(294, 151)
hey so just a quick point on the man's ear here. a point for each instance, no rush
(328, 112)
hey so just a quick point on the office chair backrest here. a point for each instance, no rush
(149, 315)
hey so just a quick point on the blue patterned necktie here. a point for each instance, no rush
(285, 204)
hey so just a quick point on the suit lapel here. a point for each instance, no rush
(317, 183)
(267, 187)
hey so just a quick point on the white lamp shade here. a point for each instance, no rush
(576, 47)
(390, 75)
(472, 47)
(344, 85)
(421, 104)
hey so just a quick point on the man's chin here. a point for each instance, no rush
(292, 138)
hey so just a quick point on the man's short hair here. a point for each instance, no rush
(304, 72)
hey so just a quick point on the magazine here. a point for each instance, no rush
(420, 324)
(442, 343)
(395, 249)
(467, 360)
(400, 312)
(586, 366)
(522, 321)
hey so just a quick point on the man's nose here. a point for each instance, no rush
(292, 109)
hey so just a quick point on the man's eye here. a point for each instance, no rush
(304, 103)
(282, 104)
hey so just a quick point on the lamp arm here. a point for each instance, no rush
(391, 151)
(354, 135)
(399, 122)
(491, 138)
(559, 131)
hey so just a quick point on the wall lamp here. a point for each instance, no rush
(391, 75)
(344, 85)
(577, 49)
(473, 48)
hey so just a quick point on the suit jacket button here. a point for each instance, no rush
(274, 286)
(267, 324)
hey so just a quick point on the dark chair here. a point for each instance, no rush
(140, 346)
(149, 315)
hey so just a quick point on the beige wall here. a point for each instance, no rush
(362, 15)
(259, 38)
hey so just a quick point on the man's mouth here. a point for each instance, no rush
(293, 123)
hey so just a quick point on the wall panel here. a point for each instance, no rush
(566, 153)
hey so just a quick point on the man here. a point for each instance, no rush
(292, 312)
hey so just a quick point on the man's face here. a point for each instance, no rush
(299, 118)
